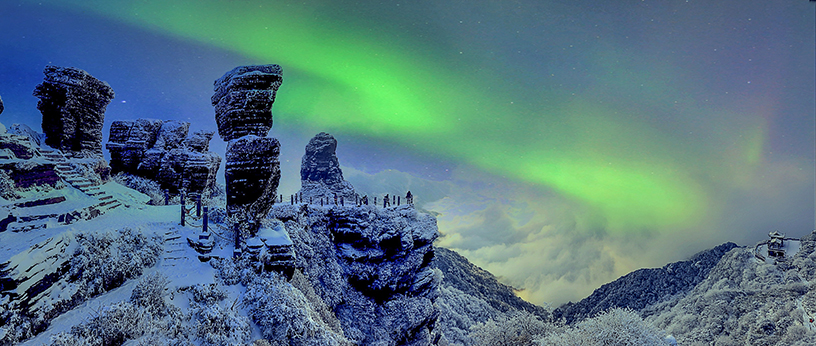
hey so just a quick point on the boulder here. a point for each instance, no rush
(29, 173)
(128, 141)
(243, 100)
(73, 105)
(172, 134)
(199, 141)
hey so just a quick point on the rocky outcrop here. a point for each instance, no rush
(26, 174)
(128, 141)
(642, 288)
(26, 131)
(1, 105)
(243, 100)
(320, 173)
(163, 151)
(73, 104)
(16, 146)
(252, 175)
(371, 267)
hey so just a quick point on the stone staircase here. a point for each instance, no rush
(28, 221)
(174, 248)
(74, 177)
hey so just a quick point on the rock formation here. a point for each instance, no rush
(252, 175)
(163, 151)
(73, 104)
(243, 100)
(320, 174)
(1, 105)
(371, 267)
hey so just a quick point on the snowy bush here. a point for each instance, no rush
(520, 329)
(283, 313)
(216, 324)
(149, 293)
(233, 271)
(7, 187)
(100, 262)
(146, 186)
(613, 327)
(145, 318)
(104, 261)
(459, 311)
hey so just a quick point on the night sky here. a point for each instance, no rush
(562, 143)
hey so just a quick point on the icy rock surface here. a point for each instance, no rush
(320, 173)
(243, 100)
(25, 131)
(73, 104)
(252, 174)
(26, 174)
(744, 301)
(371, 266)
(645, 287)
(19, 146)
(163, 151)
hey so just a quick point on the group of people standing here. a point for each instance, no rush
(387, 200)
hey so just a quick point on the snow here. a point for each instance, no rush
(790, 246)
(275, 235)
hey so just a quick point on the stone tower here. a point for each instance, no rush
(243, 101)
(73, 105)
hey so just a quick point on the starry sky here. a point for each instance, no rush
(560, 143)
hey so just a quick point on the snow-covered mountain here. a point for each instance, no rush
(158, 254)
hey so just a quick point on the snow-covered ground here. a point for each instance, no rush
(179, 262)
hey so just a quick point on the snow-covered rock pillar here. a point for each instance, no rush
(243, 110)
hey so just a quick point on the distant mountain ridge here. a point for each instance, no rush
(477, 282)
(645, 287)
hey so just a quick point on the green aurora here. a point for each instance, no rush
(341, 76)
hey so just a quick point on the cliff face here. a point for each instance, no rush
(371, 266)
(645, 287)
